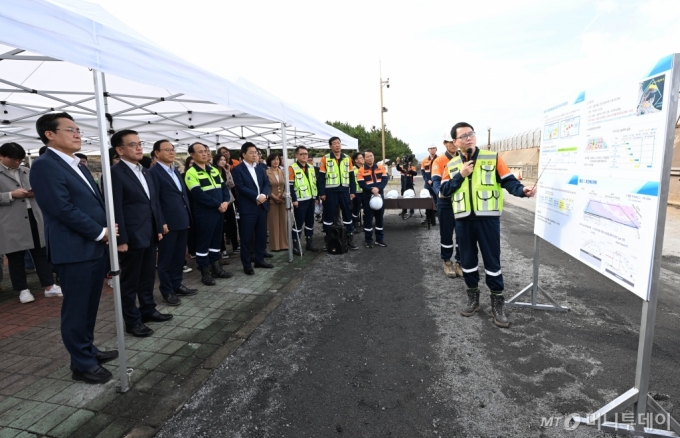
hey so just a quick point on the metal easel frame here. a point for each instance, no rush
(535, 289)
(637, 397)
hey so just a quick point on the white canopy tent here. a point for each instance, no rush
(54, 55)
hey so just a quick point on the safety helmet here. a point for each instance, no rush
(425, 193)
(392, 194)
(409, 193)
(376, 202)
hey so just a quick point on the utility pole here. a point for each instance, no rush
(489, 138)
(383, 110)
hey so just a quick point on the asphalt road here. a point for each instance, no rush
(371, 345)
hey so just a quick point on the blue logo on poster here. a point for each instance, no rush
(581, 97)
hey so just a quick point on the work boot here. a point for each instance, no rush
(472, 305)
(310, 244)
(206, 277)
(218, 272)
(459, 270)
(499, 317)
(449, 269)
(350, 241)
(296, 247)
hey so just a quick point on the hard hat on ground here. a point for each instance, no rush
(409, 194)
(376, 202)
(392, 194)
(425, 193)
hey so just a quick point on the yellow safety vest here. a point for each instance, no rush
(196, 176)
(356, 180)
(337, 175)
(480, 191)
(304, 185)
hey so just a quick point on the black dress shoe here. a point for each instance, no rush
(140, 330)
(249, 270)
(172, 300)
(156, 316)
(94, 375)
(268, 255)
(185, 291)
(263, 265)
(106, 356)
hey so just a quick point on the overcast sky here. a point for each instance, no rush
(493, 64)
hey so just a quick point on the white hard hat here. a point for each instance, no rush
(409, 194)
(425, 193)
(447, 137)
(376, 202)
(392, 194)
(432, 145)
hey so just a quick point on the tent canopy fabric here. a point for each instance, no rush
(47, 48)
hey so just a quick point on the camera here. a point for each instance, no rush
(408, 158)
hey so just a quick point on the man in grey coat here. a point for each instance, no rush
(21, 225)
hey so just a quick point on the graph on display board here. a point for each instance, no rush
(602, 157)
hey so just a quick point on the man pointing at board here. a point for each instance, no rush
(475, 180)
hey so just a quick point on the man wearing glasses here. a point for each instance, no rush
(175, 212)
(475, 180)
(303, 193)
(140, 228)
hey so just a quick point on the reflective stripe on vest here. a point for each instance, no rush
(196, 176)
(480, 192)
(337, 175)
(356, 180)
(305, 185)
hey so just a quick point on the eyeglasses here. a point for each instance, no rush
(134, 145)
(168, 150)
(468, 135)
(71, 130)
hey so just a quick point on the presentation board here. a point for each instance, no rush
(601, 168)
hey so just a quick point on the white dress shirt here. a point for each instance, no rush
(74, 162)
(251, 170)
(137, 170)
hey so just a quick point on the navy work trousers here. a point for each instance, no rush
(357, 207)
(171, 252)
(304, 218)
(208, 236)
(81, 284)
(447, 224)
(485, 233)
(369, 213)
(333, 199)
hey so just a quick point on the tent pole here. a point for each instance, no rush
(289, 203)
(110, 223)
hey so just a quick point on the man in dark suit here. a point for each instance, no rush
(140, 228)
(253, 188)
(76, 236)
(175, 213)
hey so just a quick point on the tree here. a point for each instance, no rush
(394, 147)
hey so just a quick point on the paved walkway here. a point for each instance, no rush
(38, 397)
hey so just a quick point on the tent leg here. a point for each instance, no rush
(289, 203)
(111, 224)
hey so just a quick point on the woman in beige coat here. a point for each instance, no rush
(276, 218)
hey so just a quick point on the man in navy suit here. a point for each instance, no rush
(76, 236)
(253, 189)
(140, 228)
(175, 213)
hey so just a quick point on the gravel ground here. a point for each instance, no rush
(371, 344)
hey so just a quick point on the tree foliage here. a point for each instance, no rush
(394, 147)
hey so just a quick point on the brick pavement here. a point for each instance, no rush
(38, 397)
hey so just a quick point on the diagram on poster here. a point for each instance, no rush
(602, 157)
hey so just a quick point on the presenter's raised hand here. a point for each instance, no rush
(530, 192)
(467, 168)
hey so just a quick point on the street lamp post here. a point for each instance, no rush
(383, 110)
(489, 137)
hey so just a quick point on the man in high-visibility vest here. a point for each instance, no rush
(358, 201)
(303, 192)
(447, 222)
(373, 180)
(210, 199)
(426, 172)
(336, 188)
(475, 180)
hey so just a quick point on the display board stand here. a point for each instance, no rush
(535, 289)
